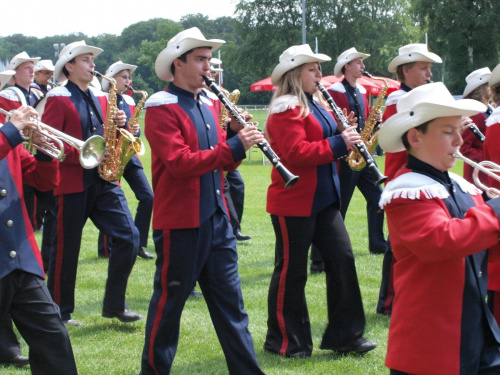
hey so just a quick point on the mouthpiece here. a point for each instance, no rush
(97, 74)
(367, 74)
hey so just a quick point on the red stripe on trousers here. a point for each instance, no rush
(282, 284)
(163, 298)
(59, 251)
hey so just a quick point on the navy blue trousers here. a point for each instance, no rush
(105, 204)
(138, 182)
(207, 254)
(288, 325)
(25, 298)
(365, 182)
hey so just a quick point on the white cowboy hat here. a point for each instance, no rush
(495, 76)
(293, 57)
(181, 43)
(68, 53)
(475, 79)
(214, 61)
(113, 70)
(411, 53)
(345, 58)
(44, 65)
(17, 60)
(5, 76)
(422, 104)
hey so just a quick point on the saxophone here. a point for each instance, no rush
(117, 140)
(369, 134)
(224, 114)
(138, 145)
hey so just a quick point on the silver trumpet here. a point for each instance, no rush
(487, 167)
(91, 150)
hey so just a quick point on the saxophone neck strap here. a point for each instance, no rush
(87, 95)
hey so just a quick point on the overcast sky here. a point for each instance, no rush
(94, 17)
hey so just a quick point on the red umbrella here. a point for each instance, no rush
(266, 85)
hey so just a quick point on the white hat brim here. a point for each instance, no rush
(495, 76)
(483, 79)
(167, 56)
(292, 63)
(337, 71)
(5, 76)
(74, 52)
(391, 133)
(413, 57)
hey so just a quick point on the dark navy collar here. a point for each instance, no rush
(417, 165)
(179, 91)
(405, 87)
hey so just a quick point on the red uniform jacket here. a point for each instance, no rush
(337, 91)
(393, 160)
(429, 276)
(177, 162)
(301, 146)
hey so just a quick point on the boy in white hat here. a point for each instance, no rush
(133, 172)
(352, 96)
(24, 297)
(82, 193)
(44, 70)
(440, 230)
(192, 234)
(413, 69)
(477, 88)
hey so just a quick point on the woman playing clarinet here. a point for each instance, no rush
(306, 138)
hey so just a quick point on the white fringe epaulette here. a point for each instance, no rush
(284, 103)
(206, 100)
(394, 97)
(494, 117)
(160, 98)
(58, 91)
(9, 94)
(129, 100)
(339, 87)
(413, 185)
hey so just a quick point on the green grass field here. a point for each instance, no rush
(105, 347)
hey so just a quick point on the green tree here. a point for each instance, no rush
(465, 34)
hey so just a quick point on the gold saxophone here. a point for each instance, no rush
(135, 120)
(369, 134)
(118, 141)
(224, 114)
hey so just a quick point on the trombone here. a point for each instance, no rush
(91, 151)
(487, 167)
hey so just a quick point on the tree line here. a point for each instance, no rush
(463, 32)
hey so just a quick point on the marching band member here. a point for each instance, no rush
(306, 138)
(413, 68)
(44, 70)
(192, 235)
(478, 89)
(23, 293)
(352, 96)
(134, 172)
(440, 229)
(492, 153)
(82, 194)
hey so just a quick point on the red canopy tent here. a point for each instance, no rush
(266, 85)
(372, 86)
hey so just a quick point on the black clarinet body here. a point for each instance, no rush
(289, 178)
(361, 147)
(473, 128)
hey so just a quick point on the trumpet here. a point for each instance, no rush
(487, 167)
(91, 151)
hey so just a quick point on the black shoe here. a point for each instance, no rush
(195, 294)
(361, 346)
(17, 360)
(144, 254)
(124, 316)
(317, 267)
(382, 250)
(242, 237)
(72, 322)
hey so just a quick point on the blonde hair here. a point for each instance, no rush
(291, 84)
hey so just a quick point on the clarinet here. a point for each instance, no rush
(285, 174)
(361, 147)
(473, 128)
